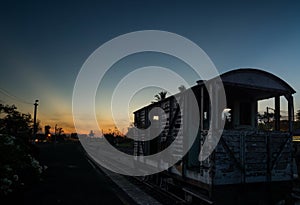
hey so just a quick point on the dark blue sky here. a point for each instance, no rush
(43, 44)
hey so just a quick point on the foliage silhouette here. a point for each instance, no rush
(160, 96)
(18, 165)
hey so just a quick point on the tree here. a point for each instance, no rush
(266, 117)
(60, 131)
(47, 130)
(298, 115)
(15, 123)
(18, 165)
(266, 120)
(74, 135)
(182, 88)
(160, 96)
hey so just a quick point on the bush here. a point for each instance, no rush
(18, 168)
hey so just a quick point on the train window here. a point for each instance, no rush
(205, 115)
(226, 115)
(155, 117)
(205, 120)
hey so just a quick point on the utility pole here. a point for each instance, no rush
(34, 119)
(55, 129)
(268, 116)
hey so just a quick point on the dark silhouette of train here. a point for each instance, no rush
(249, 165)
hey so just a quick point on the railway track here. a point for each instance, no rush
(164, 197)
(161, 195)
(157, 188)
(193, 197)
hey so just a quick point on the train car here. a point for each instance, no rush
(249, 165)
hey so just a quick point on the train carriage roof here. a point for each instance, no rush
(257, 79)
(258, 84)
(254, 83)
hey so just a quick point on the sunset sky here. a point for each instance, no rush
(43, 45)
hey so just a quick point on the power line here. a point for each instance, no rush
(3, 91)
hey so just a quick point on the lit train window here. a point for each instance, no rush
(155, 117)
(226, 115)
(205, 116)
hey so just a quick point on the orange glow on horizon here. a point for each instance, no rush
(66, 123)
